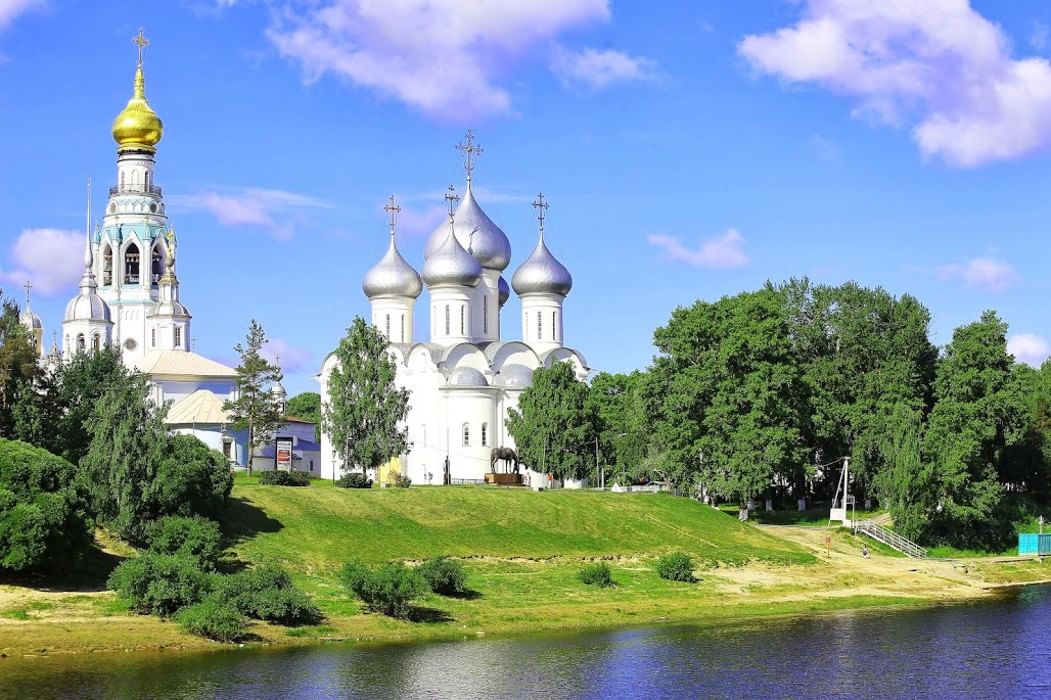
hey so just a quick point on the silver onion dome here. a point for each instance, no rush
(504, 291)
(451, 264)
(87, 305)
(477, 233)
(171, 308)
(541, 273)
(392, 276)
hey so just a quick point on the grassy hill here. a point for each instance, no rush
(318, 528)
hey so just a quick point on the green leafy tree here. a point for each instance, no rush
(192, 479)
(307, 406)
(980, 412)
(255, 408)
(554, 427)
(129, 444)
(906, 483)
(18, 364)
(617, 403)
(364, 409)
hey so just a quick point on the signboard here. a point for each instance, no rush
(283, 454)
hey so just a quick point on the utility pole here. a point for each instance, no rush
(598, 468)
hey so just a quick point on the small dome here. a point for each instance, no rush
(467, 376)
(31, 320)
(477, 233)
(392, 276)
(504, 291)
(137, 125)
(278, 390)
(87, 306)
(451, 264)
(515, 376)
(169, 309)
(541, 273)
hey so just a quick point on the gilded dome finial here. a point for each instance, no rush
(138, 127)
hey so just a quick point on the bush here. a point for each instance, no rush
(354, 480)
(389, 589)
(159, 583)
(282, 478)
(402, 481)
(676, 567)
(213, 619)
(443, 575)
(266, 593)
(192, 479)
(596, 575)
(195, 537)
(43, 524)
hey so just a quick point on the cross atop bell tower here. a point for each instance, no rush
(142, 42)
(470, 151)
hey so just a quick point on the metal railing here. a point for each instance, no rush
(890, 538)
(135, 188)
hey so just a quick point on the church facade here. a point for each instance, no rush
(465, 376)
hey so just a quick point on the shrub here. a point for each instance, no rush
(192, 479)
(159, 583)
(282, 478)
(42, 520)
(195, 537)
(266, 593)
(676, 567)
(596, 575)
(354, 480)
(402, 481)
(444, 576)
(213, 619)
(389, 589)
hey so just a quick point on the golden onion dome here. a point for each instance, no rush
(138, 126)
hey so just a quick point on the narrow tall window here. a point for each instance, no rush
(554, 325)
(95, 342)
(466, 435)
(386, 330)
(80, 343)
(485, 434)
(539, 325)
(153, 337)
(131, 264)
(178, 336)
(463, 322)
(107, 267)
(485, 318)
(447, 331)
(155, 265)
(403, 328)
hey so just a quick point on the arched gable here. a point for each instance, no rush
(465, 355)
(580, 365)
(512, 353)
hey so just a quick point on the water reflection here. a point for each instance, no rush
(993, 650)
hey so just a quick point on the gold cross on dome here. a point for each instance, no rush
(470, 152)
(142, 42)
(392, 209)
(451, 198)
(541, 206)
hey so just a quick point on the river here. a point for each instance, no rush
(998, 649)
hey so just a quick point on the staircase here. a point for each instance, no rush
(890, 538)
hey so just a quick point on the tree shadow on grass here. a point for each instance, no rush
(464, 595)
(242, 520)
(428, 615)
(84, 575)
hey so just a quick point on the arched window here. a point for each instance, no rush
(466, 435)
(131, 264)
(554, 325)
(156, 263)
(485, 434)
(95, 342)
(403, 328)
(107, 267)
(153, 337)
(485, 317)
(66, 345)
(386, 329)
(463, 321)
(80, 343)
(178, 336)
(539, 325)
(447, 319)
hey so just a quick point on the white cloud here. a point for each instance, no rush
(724, 251)
(419, 222)
(51, 259)
(446, 58)
(276, 211)
(10, 9)
(937, 65)
(985, 273)
(599, 69)
(1029, 348)
(291, 358)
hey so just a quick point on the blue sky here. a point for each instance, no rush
(688, 150)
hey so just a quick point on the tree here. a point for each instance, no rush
(255, 408)
(18, 364)
(192, 479)
(308, 407)
(42, 520)
(616, 402)
(364, 409)
(980, 412)
(554, 428)
(129, 443)
(82, 382)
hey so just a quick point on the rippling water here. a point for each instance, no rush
(991, 650)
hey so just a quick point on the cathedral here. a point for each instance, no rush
(465, 377)
(129, 291)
